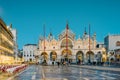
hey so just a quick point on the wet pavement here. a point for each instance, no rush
(37, 72)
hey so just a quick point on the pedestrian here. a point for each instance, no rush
(53, 63)
(64, 63)
(61, 64)
(58, 63)
(69, 62)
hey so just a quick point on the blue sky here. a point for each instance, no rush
(28, 17)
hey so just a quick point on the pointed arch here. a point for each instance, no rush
(44, 56)
(90, 56)
(79, 56)
(63, 43)
(66, 54)
(99, 56)
(53, 55)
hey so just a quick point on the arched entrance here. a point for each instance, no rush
(79, 57)
(90, 56)
(117, 55)
(66, 55)
(112, 59)
(99, 56)
(111, 56)
(66, 46)
(104, 56)
(53, 56)
(44, 57)
(30, 59)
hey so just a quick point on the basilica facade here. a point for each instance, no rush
(83, 49)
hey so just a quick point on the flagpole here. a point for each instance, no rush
(67, 40)
(44, 36)
(89, 37)
(44, 41)
(89, 44)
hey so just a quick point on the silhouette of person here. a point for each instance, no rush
(53, 63)
(58, 63)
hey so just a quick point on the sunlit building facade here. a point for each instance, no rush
(83, 49)
(6, 44)
(29, 52)
(112, 44)
(14, 32)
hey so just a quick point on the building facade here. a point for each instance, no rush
(112, 42)
(6, 44)
(28, 52)
(14, 32)
(112, 45)
(20, 56)
(51, 49)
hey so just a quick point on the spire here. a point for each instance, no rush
(79, 37)
(53, 37)
(11, 26)
(50, 36)
(94, 33)
(85, 31)
(67, 27)
(41, 38)
(94, 36)
(50, 32)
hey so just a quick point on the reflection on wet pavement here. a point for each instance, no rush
(66, 73)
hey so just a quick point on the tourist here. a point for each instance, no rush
(53, 63)
(58, 63)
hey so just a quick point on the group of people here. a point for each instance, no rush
(63, 63)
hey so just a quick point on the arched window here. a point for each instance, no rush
(118, 43)
(53, 47)
(63, 44)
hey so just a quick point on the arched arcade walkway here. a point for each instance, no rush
(90, 56)
(53, 56)
(79, 57)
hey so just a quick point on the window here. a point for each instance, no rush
(118, 43)
(44, 47)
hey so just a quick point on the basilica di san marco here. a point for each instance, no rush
(85, 49)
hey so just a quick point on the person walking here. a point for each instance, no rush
(53, 63)
(58, 63)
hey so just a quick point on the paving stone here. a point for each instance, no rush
(67, 73)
